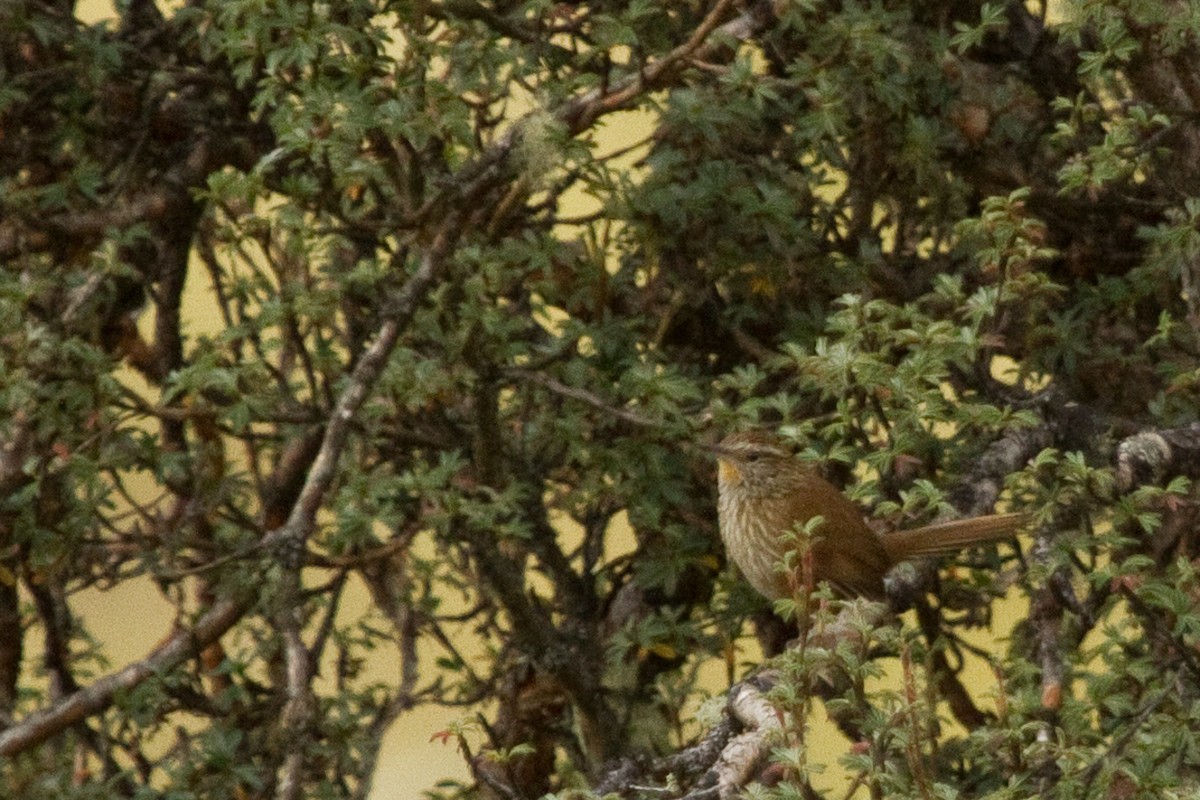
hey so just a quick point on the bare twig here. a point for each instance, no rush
(584, 396)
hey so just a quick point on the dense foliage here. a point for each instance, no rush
(465, 346)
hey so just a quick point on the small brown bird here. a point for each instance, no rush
(765, 493)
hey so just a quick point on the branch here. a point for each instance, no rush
(703, 44)
(976, 494)
(584, 396)
(291, 537)
(156, 203)
(1150, 457)
(183, 644)
(722, 764)
(581, 111)
(1120, 743)
(178, 647)
(398, 313)
(959, 700)
(745, 754)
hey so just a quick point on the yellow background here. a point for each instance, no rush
(131, 617)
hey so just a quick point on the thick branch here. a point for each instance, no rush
(722, 764)
(1151, 457)
(179, 646)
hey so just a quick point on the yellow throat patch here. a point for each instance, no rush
(728, 472)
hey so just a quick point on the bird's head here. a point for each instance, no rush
(750, 457)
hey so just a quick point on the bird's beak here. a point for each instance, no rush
(727, 470)
(713, 449)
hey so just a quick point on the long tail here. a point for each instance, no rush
(942, 538)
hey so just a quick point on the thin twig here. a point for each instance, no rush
(584, 396)
(184, 643)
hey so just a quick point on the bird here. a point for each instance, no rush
(764, 494)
